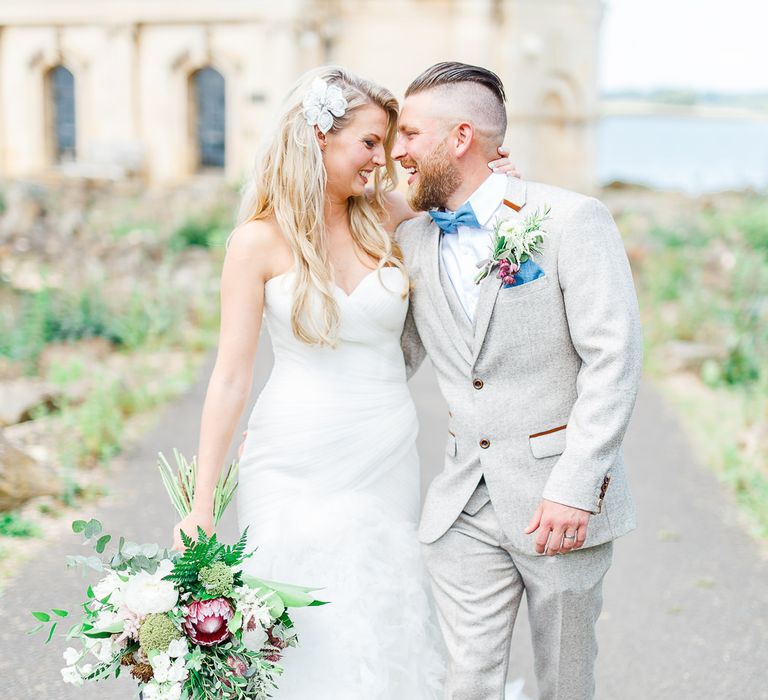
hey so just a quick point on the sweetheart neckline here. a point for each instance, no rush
(336, 286)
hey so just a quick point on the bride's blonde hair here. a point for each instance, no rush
(289, 184)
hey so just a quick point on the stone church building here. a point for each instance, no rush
(167, 90)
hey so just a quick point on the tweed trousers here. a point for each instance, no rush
(478, 579)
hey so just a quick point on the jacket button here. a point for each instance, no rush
(485, 444)
(478, 384)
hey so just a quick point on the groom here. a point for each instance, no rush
(540, 371)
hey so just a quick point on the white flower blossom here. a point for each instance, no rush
(322, 103)
(147, 593)
(71, 656)
(110, 584)
(71, 675)
(178, 647)
(102, 649)
(162, 691)
(161, 664)
(255, 639)
(178, 671)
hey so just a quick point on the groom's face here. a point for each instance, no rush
(422, 149)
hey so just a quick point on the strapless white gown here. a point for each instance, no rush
(329, 487)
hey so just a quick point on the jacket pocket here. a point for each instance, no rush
(548, 443)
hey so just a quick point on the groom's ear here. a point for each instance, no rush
(465, 135)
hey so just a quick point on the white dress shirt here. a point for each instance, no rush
(461, 251)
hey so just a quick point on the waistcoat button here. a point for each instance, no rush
(485, 444)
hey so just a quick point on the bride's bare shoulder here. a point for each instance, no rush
(260, 244)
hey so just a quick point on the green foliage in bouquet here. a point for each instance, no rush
(202, 556)
(130, 557)
(180, 484)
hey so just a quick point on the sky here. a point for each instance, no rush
(691, 44)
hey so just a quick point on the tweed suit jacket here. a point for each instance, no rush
(540, 399)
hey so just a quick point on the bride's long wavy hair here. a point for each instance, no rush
(289, 183)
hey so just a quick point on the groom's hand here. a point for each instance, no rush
(560, 528)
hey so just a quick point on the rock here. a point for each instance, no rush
(22, 477)
(20, 396)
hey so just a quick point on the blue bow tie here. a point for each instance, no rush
(449, 221)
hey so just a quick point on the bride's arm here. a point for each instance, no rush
(245, 271)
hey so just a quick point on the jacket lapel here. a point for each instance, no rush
(514, 201)
(437, 293)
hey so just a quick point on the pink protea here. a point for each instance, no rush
(238, 666)
(206, 621)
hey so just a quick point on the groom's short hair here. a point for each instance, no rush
(485, 90)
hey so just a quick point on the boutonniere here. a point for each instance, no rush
(512, 244)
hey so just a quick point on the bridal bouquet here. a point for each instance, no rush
(186, 626)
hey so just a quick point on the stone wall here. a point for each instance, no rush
(132, 63)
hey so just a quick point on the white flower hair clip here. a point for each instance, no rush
(322, 103)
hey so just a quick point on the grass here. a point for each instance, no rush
(704, 280)
(13, 525)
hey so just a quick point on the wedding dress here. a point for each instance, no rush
(329, 488)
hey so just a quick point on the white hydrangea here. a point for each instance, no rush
(147, 593)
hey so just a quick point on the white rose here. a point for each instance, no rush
(147, 593)
(71, 675)
(85, 670)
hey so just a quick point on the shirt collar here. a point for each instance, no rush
(487, 198)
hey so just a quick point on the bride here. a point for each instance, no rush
(329, 475)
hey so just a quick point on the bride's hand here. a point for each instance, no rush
(190, 524)
(504, 165)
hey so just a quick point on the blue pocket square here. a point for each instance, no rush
(528, 272)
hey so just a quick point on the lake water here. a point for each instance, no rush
(684, 153)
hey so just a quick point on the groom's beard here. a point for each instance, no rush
(438, 179)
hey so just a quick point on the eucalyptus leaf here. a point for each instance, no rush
(42, 616)
(78, 526)
(150, 550)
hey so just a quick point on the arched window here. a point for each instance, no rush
(209, 117)
(62, 126)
